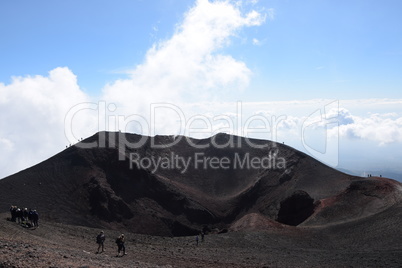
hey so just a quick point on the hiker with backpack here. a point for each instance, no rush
(120, 245)
(35, 218)
(25, 215)
(30, 216)
(19, 215)
(13, 211)
(100, 240)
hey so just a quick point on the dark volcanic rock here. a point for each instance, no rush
(108, 180)
(104, 203)
(296, 208)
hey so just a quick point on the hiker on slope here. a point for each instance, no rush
(100, 240)
(120, 245)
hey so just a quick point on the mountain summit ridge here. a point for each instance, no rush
(108, 180)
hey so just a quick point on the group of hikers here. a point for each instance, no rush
(30, 218)
(25, 217)
(100, 240)
(369, 176)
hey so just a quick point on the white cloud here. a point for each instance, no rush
(6, 145)
(190, 66)
(343, 116)
(381, 128)
(289, 117)
(256, 42)
(32, 112)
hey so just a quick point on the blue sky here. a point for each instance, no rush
(282, 58)
(329, 49)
